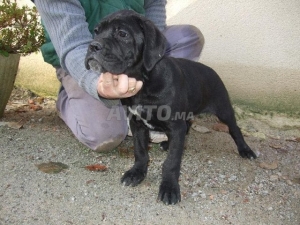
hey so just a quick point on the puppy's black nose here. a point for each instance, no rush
(95, 46)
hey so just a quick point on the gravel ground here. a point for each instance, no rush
(217, 186)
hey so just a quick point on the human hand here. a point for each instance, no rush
(117, 86)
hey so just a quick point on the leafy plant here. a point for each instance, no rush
(20, 29)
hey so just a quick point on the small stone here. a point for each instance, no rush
(232, 178)
(222, 176)
(270, 208)
(274, 178)
(194, 194)
(203, 195)
(259, 135)
(289, 182)
(256, 179)
(200, 129)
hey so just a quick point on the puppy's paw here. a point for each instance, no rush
(169, 192)
(133, 177)
(247, 153)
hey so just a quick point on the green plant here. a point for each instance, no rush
(20, 29)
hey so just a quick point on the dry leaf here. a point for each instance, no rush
(31, 102)
(293, 139)
(200, 129)
(246, 200)
(52, 167)
(275, 146)
(269, 166)
(90, 181)
(96, 167)
(296, 180)
(221, 127)
(40, 100)
(126, 152)
(223, 192)
(35, 107)
(14, 125)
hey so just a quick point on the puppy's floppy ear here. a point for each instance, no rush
(154, 44)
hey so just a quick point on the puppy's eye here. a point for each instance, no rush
(122, 34)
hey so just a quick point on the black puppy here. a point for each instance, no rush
(126, 42)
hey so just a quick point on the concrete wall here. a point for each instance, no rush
(253, 45)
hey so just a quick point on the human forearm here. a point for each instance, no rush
(65, 23)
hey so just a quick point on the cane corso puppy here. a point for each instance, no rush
(128, 43)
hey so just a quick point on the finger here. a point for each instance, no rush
(134, 91)
(106, 79)
(122, 84)
(118, 86)
(132, 84)
(115, 80)
(105, 85)
(139, 85)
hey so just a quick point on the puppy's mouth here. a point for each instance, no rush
(93, 64)
(105, 64)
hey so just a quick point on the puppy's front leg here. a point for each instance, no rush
(169, 190)
(138, 172)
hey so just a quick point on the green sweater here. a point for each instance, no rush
(95, 10)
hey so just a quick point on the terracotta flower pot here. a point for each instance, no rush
(8, 71)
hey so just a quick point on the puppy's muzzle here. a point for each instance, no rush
(91, 61)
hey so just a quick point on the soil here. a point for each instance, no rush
(217, 185)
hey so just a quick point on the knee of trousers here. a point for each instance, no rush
(185, 41)
(103, 138)
(197, 36)
(194, 40)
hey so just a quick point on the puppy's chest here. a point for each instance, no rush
(143, 113)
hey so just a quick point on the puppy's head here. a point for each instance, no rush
(125, 42)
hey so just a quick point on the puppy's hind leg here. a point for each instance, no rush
(225, 113)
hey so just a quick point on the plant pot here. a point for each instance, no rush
(8, 71)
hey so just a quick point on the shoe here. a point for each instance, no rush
(155, 136)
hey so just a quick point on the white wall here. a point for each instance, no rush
(253, 45)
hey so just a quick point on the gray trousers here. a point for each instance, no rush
(89, 118)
